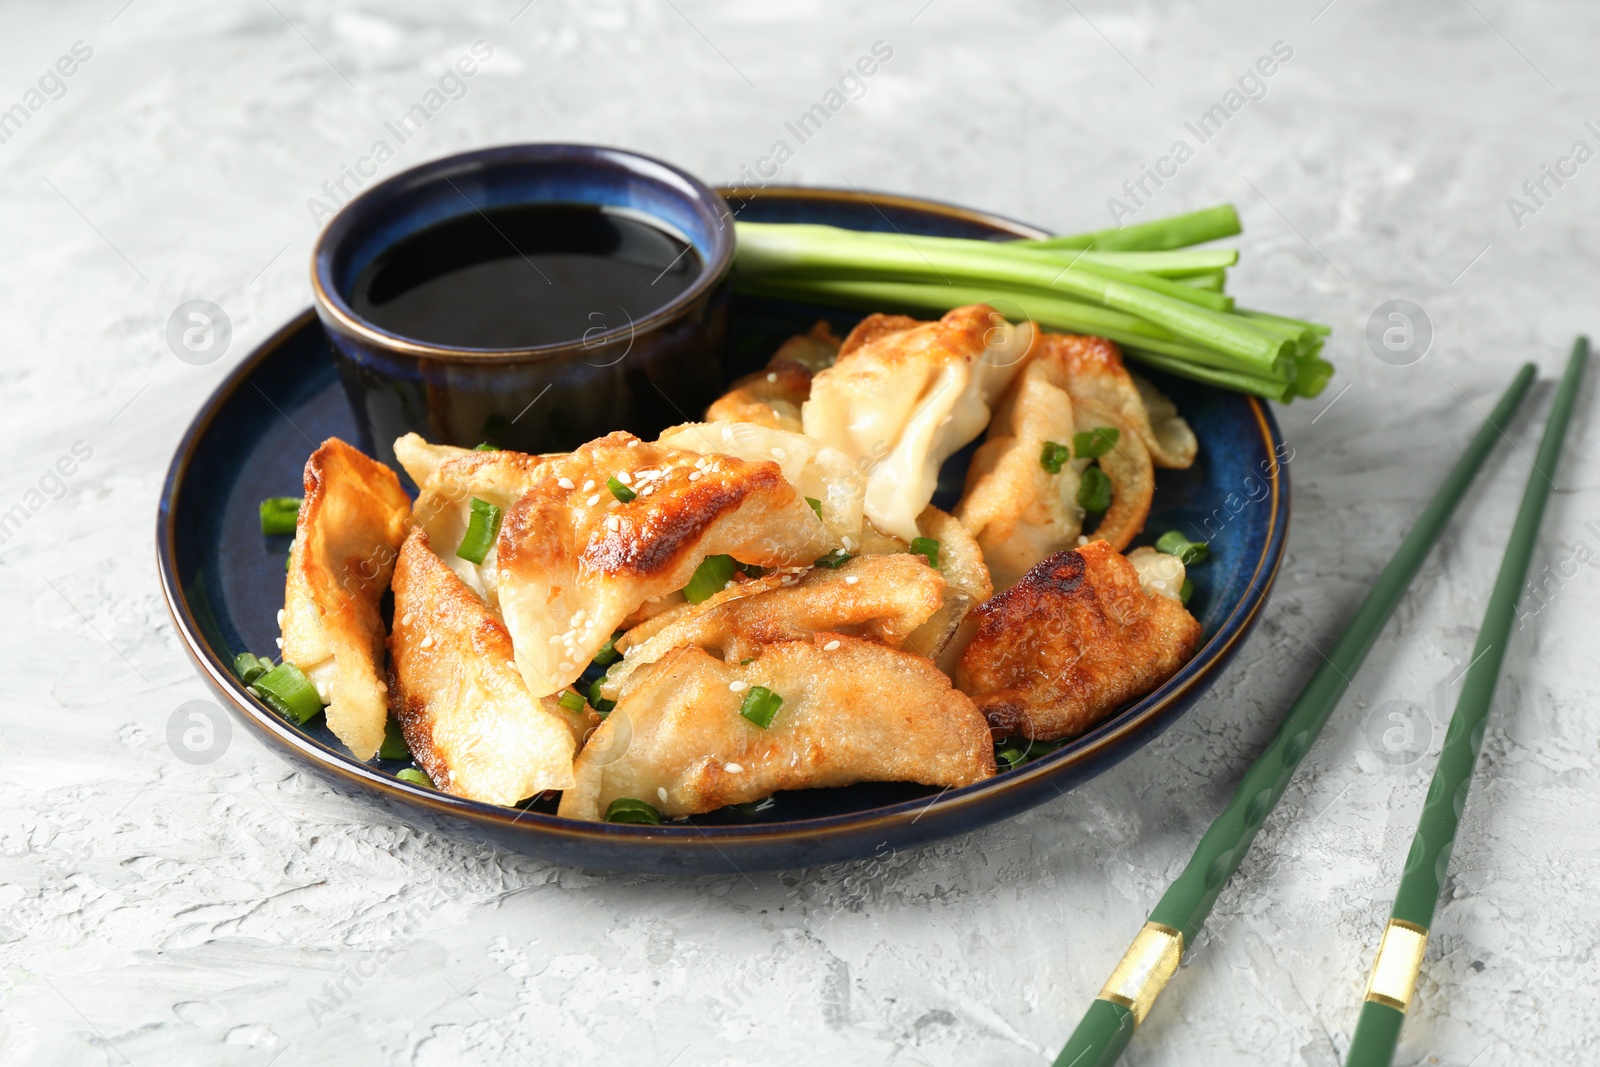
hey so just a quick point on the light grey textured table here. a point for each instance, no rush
(153, 912)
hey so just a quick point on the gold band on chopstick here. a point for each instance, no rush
(1146, 967)
(1394, 972)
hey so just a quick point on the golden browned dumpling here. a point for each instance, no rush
(885, 598)
(852, 710)
(450, 479)
(1078, 636)
(901, 402)
(823, 474)
(1019, 509)
(1096, 376)
(600, 531)
(462, 705)
(772, 397)
(346, 538)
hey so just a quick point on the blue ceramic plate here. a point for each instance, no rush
(224, 584)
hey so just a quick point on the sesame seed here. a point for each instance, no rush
(849, 545)
(565, 483)
(407, 619)
(280, 642)
(772, 376)
(594, 500)
(577, 617)
(280, 618)
(661, 791)
(738, 687)
(778, 453)
(565, 666)
(695, 477)
(633, 443)
(733, 768)
(427, 642)
(851, 579)
(830, 646)
(613, 523)
(588, 485)
(624, 477)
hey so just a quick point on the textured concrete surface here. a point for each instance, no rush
(156, 912)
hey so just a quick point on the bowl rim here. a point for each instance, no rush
(336, 311)
(1102, 741)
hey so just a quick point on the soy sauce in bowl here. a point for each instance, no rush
(524, 275)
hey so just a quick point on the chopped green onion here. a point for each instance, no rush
(1094, 491)
(747, 661)
(1190, 552)
(608, 653)
(289, 692)
(816, 505)
(1091, 444)
(278, 514)
(482, 529)
(1053, 456)
(761, 706)
(598, 702)
(928, 549)
(415, 777)
(249, 666)
(629, 810)
(485, 447)
(1012, 757)
(1185, 591)
(834, 560)
(618, 490)
(570, 700)
(756, 807)
(710, 578)
(394, 742)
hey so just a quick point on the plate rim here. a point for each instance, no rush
(1099, 742)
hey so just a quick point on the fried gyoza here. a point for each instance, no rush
(449, 479)
(1097, 377)
(772, 397)
(853, 711)
(884, 598)
(1019, 510)
(346, 537)
(575, 558)
(901, 402)
(1078, 636)
(961, 565)
(823, 474)
(465, 712)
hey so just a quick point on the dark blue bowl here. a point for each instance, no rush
(583, 388)
(224, 584)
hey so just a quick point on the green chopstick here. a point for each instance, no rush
(1153, 957)
(1399, 958)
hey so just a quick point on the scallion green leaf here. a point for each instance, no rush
(278, 514)
(834, 560)
(289, 692)
(927, 548)
(598, 702)
(1185, 591)
(1053, 456)
(485, 447)
(1189, 552)
(761, 706)
(629, 810)
(571, 700)
(415, 777)
(608, 653)
(618, 490)
(1092, 444)
(1011, 756)
(482, 528)
(816, 505)
(1094, 491)
(710, 578)
(249, 666)
(394, 742)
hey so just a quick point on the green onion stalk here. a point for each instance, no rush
(1162, 303)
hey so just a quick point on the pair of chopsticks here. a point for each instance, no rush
(1152, 959)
